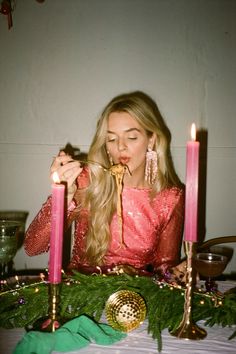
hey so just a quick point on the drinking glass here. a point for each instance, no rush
(210, 266)
(8, 243)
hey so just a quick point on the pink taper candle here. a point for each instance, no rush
(57, 228)
(191, 199)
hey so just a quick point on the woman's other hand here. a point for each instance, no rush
(179, 273)
(68, 170)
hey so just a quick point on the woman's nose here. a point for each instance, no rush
(121, 145)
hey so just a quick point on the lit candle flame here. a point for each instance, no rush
(193, 132)
(55, 177)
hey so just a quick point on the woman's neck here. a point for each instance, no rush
(135, 181)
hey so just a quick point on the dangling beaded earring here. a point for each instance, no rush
(151, 166)
(110, 158)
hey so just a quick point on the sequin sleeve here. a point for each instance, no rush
(170, 240)
(37, 236)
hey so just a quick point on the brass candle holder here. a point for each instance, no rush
(187, 329)
(52, 321)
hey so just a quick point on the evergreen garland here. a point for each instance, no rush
(87, 294)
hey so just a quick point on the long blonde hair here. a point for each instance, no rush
(100, 196)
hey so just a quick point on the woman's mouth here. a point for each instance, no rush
(124, 160)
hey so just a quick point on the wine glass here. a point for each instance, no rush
(222, 249)
(210, 265)
(8, 243)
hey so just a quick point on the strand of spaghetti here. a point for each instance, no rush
(118, 171)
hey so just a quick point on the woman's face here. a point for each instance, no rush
(127, 142)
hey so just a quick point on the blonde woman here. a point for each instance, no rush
(127, 201)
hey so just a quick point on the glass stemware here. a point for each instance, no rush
(210, 266)
(8, 243)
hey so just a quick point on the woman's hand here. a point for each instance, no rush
(68, 170)
(179, 273)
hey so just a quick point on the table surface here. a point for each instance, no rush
(140, 342)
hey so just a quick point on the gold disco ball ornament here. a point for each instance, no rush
(125, 310)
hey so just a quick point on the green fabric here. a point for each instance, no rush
(73, 335)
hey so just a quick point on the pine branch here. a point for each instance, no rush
(86, 294)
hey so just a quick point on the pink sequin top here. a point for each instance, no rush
(152, 230)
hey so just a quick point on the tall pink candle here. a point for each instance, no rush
(57, 228)
(191, 199)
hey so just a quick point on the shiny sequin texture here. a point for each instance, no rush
(152, 231)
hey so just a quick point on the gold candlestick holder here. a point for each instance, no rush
(53, 321)
(187, 329)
